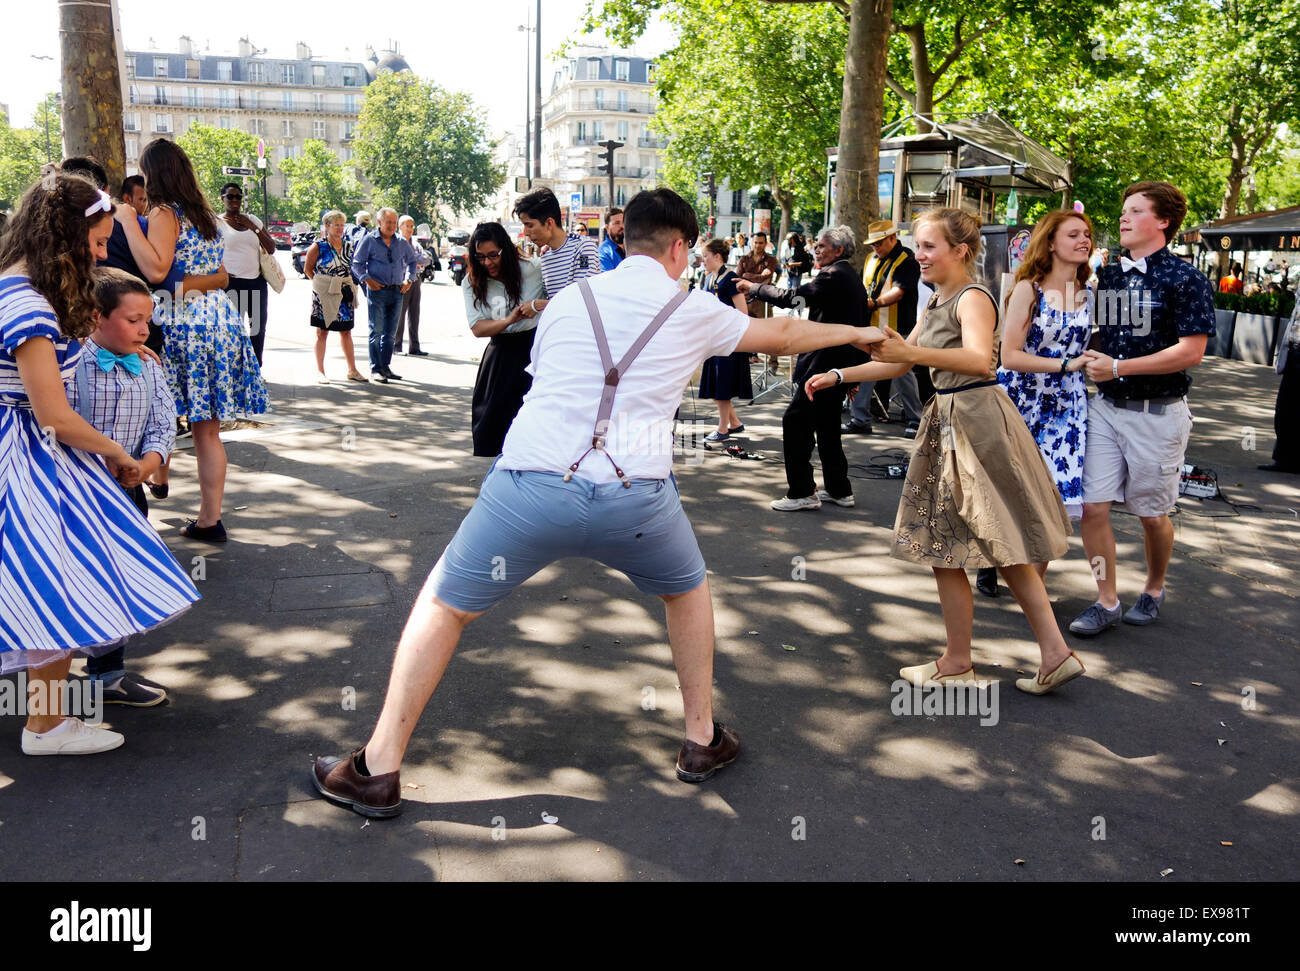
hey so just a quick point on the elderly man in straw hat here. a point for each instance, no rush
(891, 277)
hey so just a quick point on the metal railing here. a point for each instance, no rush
(240, 103)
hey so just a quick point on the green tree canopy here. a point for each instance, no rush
(20, 163)
(317, 183)
(210, 148)
(422, 146)
(752, 93)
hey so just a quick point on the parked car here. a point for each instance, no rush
(280, 232)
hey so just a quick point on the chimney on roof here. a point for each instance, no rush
(245, 47)
(303, 52)
(186, 45)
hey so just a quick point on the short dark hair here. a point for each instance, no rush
(87, 166)
(129, 185)
(112, 284)
(654, 218)
(612, 213)
(232, 185)
(758, 234)
(541, 205)
(1167, 200)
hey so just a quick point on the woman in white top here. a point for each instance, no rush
(246, 240)
(503, 296)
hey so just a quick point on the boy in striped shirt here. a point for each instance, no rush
(125, 395)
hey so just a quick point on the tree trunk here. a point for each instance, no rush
(857, 171)
(785, 199)
(1236, 175)
(922, 79)
(92, 87)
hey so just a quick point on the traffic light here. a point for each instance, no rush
(709, 186)
(607, 157)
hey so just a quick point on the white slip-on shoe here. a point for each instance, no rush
(71, 736)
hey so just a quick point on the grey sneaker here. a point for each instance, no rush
(846, 501)
(1145, 610)
(1096, 619)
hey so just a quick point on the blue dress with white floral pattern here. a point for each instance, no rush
(1054, 405)
(208, 357)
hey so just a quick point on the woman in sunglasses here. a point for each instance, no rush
(503, 296)
(246, 241)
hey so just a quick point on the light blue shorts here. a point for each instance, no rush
(524, 521)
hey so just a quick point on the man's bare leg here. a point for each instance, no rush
(1158, 532)
(428, 641)
(690, 633)
(1099, 543)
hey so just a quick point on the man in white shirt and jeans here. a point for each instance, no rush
(586, 470)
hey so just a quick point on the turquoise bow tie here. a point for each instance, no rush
(107, 360)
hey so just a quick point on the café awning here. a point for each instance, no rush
(1277, 230)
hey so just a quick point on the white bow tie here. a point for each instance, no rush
(1140, 264)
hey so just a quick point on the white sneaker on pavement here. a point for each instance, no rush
(71, 736)
(790, 505)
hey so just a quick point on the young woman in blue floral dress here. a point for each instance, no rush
(208, 356)
(1047, 326)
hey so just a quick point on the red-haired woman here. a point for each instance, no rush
(1047, 326)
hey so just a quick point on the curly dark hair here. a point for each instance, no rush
(170, 181)
(49, 236)
(512, 275)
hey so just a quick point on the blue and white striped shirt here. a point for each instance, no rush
(579, 257)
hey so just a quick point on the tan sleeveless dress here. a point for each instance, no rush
(978, 492)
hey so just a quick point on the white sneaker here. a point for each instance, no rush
(847, 501)
(790, 505)
(71, 736)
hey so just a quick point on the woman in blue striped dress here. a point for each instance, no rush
(80, 568)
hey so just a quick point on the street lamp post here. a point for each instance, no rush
(528, 107)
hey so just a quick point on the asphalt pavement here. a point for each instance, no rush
(548, 751)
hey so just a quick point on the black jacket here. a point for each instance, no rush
(834, 296)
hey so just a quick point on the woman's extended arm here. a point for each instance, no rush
(153, 253)
(38, 368)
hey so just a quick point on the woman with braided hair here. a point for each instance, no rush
(80, 568)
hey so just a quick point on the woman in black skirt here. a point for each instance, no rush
(724, 378)
(501, 303)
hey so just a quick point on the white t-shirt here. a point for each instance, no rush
(554, 425)
(243, 248)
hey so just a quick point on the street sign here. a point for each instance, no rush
(521, 183)
(261, 148)
(235, 170)
(575, 200)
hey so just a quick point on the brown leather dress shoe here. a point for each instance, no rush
(696, 762)
(376, 796)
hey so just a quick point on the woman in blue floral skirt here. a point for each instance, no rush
(1048, 323)
(208, 355)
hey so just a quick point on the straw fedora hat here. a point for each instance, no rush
(881, 229)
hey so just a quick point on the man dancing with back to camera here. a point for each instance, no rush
(586, 471)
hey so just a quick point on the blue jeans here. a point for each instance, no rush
(385, 305)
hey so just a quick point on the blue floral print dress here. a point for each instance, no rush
(1055, 406)
(208, 357)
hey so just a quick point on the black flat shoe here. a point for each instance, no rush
(986, 581)
(1274, 467)
(216, 533)
(417, 353)
(158, 491)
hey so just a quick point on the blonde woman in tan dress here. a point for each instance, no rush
(977, 491)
